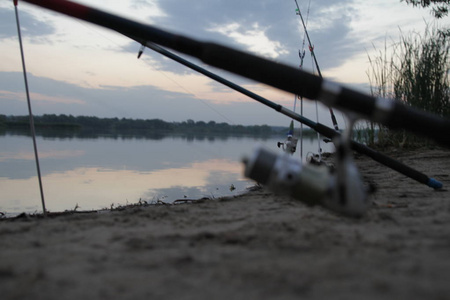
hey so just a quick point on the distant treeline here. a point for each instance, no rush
(69, 122)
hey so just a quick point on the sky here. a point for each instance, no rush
(76, 68)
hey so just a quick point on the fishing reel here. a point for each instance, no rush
(341, 190)
(290, 145)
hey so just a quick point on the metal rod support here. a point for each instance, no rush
(30, 114)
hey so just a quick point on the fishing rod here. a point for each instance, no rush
(311, 49)
(390, 113)
(318, 127)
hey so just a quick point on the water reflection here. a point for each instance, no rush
(94, 173)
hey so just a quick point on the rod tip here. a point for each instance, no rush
(434, 184)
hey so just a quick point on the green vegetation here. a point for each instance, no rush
(416, 73)
(68, 126)
(54, 122)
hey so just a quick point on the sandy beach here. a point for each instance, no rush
(254, 246)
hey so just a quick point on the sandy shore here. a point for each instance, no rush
(256, 246)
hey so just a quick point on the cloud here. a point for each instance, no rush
(340, 44)
(31, 27)
(151, 8)
(268, 28)
(39, 98)
(255, 39)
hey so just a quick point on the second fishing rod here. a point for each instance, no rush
(313, 54)
(320, 128)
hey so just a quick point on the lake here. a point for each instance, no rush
(97, 172)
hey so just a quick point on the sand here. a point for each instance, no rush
(255, 246)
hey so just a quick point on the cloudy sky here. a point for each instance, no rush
(82, 69)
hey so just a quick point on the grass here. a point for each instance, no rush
(416, 71)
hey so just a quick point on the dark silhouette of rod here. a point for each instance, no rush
(313, 54)
(30, 113)
(320, 128)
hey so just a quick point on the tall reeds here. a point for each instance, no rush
(416, 71)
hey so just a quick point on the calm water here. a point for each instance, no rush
(97, 172)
